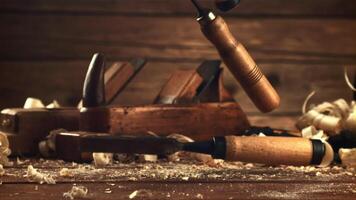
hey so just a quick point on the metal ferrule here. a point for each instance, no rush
(208, 17)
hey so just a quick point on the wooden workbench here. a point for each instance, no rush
(301, 45)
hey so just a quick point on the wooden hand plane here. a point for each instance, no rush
(25, 128)
(199, 107)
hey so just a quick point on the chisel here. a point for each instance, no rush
(265, 150)
(236, 57)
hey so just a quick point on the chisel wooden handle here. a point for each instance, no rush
(278, 150)
(240, 63)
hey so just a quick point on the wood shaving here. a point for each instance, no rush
(20, 162)
(348, 157)
(312, 133)
(47, 148)
(79, 171)
(54, 104)
(147, 158)
(77, 192)
(34, 175)
(304, 107)
(199, 196)
(347, 80)
(2, 171)
(102, 159)
(33, 103)
(331, 117)
(204, 158)
(350, 123)
(4, 150)
(80, 104)
(139, 194)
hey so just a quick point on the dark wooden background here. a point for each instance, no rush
(46, 46)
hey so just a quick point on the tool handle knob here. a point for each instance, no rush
(240, 63)
(278, 151)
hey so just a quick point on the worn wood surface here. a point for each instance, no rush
(185, 180)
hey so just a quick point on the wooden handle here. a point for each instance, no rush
(275, 150)
(242, 66)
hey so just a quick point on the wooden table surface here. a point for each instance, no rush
(185, 180)
(301, 45)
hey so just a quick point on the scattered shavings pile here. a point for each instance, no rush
(76, 192)
(329, 119)
(34, 175)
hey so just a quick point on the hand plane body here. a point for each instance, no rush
(192, 102)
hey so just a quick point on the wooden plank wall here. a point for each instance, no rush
(46, 46)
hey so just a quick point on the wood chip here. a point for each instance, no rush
(102, 159)
(77, 192)
(140, 194)
(2, 171)
(348, 157)
(33, 175)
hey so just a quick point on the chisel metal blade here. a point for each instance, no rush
(209, 70)
(70, 146)
(94, 89)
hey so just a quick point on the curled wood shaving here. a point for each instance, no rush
(54, 104)
(2, 171)
(140, 194)
(347, 80)
(329, 117)
(34, 175)
(102, 159)
(33, 103)
(350, 123)
(304, 108)
(76, 192)
(312, 133)
(37, 103)
(4, 150)
(80, 170)
(348, 157)
(47, 148)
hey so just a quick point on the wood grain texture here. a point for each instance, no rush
(234, 190)
(281, 8)
(198, 121)
(64, 80)
(65, 37)
(270, 150)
